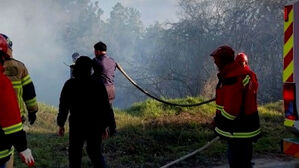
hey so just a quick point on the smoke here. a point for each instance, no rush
(151, 10)
(35, 29)
(46, 33)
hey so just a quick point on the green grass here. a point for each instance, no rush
(151, 134)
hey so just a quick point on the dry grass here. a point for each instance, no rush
(151, 134)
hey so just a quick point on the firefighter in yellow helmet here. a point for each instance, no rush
(12, 135)
(17, 72)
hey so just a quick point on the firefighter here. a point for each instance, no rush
(12, 134)
(242, 59)
(237, 119)
(87, 101)
(17, 72)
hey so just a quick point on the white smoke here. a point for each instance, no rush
(34, 28)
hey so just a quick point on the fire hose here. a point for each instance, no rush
(173, 104)
(192, 153)
(160, 100)
(153, 97)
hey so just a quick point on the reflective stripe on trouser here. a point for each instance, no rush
(224, 113)
(238, 134)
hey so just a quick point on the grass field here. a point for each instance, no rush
(151, 134)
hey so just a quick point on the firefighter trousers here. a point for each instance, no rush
(239, 153)
(93, 148)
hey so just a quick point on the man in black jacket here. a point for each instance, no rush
(90, 114)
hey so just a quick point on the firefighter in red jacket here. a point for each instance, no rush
(236, 118)
(242, 59)
(11, 128)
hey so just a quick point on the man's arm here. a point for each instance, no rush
(64, 105)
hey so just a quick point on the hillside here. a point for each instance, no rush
(151, 134)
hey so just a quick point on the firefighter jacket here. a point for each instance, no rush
(11, 128)
(22, 84)
(236, 103)
(87, 102)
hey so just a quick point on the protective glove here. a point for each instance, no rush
(27, 157)
(31, 117)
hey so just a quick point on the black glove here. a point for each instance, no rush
(31, 117)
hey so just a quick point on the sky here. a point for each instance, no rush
(151, 10)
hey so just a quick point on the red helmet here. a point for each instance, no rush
(226, 52)
(3, 45)
(241, 58)
(223, 55)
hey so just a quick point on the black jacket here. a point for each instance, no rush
(87, 101)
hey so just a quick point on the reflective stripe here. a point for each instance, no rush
(224, 113)
(290, 20)
(13, 128)
(238, 134)
(288, 71)
(31, 102)
(246, 80)
(288, 122)
(18, 82)
(6, 153)
(26, 80)
(219, 107)
(288, 45)
(17, 85)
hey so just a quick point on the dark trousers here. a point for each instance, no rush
(93, 148)
(239, 153)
